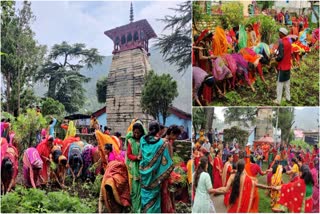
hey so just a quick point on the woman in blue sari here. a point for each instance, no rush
(155, 166)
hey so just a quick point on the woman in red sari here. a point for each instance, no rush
(217, 170)
(226, 172)
(297, 196)
(44, 149)
(242, 191)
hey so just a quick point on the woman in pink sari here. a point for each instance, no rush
(32, 165)
(9, 165)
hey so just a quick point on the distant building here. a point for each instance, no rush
(311, 137)
(177, 117)
(298, 6)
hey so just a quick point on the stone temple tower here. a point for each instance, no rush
(129, 66)
(264, 125)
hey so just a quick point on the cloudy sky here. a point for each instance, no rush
(85, 21)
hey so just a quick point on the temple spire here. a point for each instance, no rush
(131, 13)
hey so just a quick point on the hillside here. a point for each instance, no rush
(183, 101)
(306, 118)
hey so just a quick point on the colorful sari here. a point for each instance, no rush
(134, 175)
(295, 197)
(71, 132)
(217, 163)
(243, 204)
(220, 70)
(31, 159)
(219, 42)
(155, 166)
(114, 192)
(276, 180)
(9, 151)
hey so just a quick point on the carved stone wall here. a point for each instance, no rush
(124, 87)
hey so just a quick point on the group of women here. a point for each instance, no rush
(234, 57)
(237, 180)
(137, 176)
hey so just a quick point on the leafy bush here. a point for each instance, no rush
(268, 29)
(232, 14)
(31, 200)
(26, 127)
(301, 143)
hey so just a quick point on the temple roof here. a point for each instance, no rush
(142, 24)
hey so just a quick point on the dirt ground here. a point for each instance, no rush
(218, 203)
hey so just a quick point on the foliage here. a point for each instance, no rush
(232, 14)
(285, 121)
(301, 143)
(268, 28)
(23, 54)
(102, 89)
(32, 200)
(94, 188)
(50, 106)
(158, 94)
(265, 4)
(199, 16)
(198, 119)
(7, 115)
(63, 78)
(235, 132)
(245, 116)
(176, 47)
(26, 127)
(183, 207)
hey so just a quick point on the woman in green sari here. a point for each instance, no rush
(155, 166)
(132, 162)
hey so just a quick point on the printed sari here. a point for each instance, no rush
(243, 204)
(155, 166)
(31, 159)
(295, 197)
(114, 192)
(276, 180)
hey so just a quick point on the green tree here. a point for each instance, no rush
(285, 118)
(23, 55)
(26, 127)
(235, 132)
(102, 89)
(158, 94)
(232, 14)
(198, 119)
(176, 47)
(52, 107)
(268, 28)
(61, 73)
(265, 4)
(245, 116)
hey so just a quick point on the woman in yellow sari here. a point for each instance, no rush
(276, 180)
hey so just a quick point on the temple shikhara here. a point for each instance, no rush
(129, 66)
